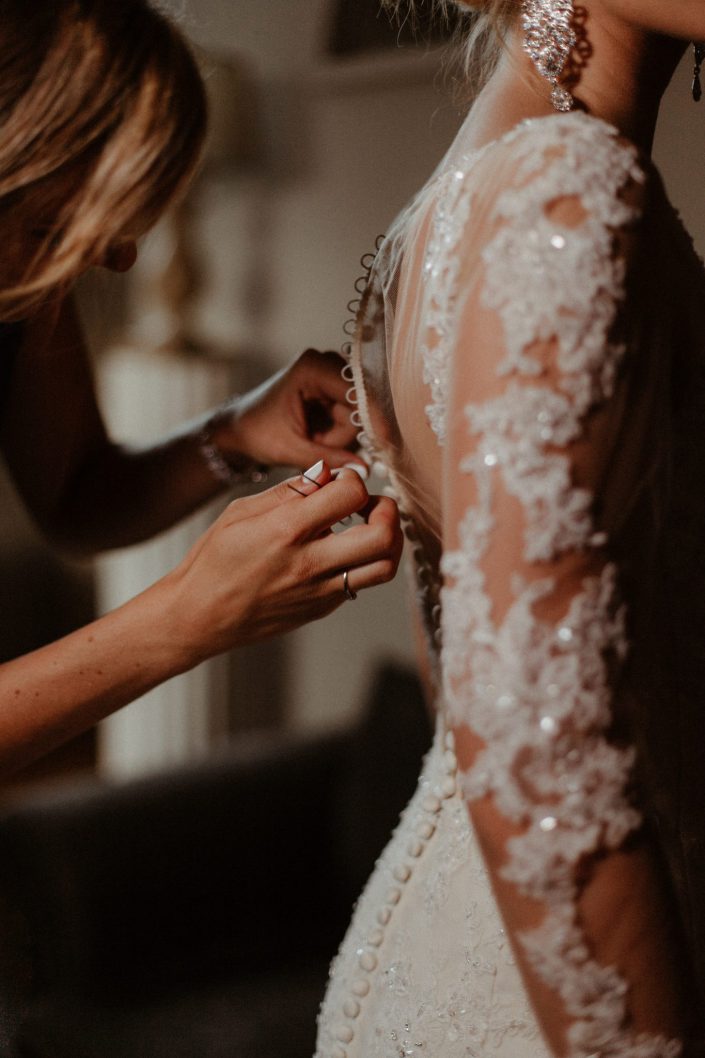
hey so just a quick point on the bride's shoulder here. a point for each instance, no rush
(571, 170)
(569, 134)
(562, 156)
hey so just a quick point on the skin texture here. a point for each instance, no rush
(266, 566)
(94, 493)
(636, 46)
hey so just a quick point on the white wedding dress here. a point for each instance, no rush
(529, 370)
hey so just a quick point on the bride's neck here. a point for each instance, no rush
(622, 82)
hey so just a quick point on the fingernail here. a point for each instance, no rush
(359, 468)
(315, 472)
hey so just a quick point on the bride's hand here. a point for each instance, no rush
(294, 418)
(270, 562)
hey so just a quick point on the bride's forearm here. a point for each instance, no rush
(627, 921)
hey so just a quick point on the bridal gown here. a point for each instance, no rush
(529, 372)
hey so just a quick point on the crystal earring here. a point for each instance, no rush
(549, 38)
(699, 55)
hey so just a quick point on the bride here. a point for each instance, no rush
(529, 369)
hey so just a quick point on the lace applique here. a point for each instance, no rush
(519, 245)
(538, 693)
(514, 431)
(451, 855)
(528, 261)
(441, 267)
(440, 986)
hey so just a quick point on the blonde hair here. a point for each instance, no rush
(107, 96)
(480, 32)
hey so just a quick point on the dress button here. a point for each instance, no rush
(351, 1008)
(344, 1033)
(415, 848)
(339, 1053)
(360, 987)
(432, 804)
(425, 829)
(368, 961)
(448, 787)
(402, 872)
(383, 916)
(450, 761)
(394, 896)
(375, 938)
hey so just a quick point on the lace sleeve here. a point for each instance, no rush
(534, 642)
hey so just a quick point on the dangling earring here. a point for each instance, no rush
(549, 38)
(699, 54)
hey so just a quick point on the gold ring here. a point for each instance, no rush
(349, 593)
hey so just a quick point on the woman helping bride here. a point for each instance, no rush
(529, 368)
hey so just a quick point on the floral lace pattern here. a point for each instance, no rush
(399, 990)
(537, 693)
(441, 267)
(426, 968)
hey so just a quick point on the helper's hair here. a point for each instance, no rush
(106, 92)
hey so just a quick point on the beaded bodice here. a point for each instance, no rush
(529, 375)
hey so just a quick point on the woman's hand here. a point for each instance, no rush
(95, 493)
(270, 562)
(294, 418)
(267, 565)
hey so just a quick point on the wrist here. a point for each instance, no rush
(226, 463)
(140, 644)
(182, 643)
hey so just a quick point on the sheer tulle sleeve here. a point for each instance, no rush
(534, 628)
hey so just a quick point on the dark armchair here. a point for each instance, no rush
(194, 914)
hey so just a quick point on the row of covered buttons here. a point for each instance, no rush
(368, 960)
(424, 574)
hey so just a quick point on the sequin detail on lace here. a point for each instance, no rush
(537, 693)
(431, 873)
(441, 267)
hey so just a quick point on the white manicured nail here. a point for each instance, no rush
(359, 468)
(313, 473)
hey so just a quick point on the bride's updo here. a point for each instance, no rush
(482, 30)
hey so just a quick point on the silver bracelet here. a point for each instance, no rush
(219, 467)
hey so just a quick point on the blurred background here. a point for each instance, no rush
(176, 882)
(325, 120)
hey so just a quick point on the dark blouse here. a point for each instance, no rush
(10, 337)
